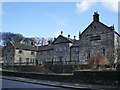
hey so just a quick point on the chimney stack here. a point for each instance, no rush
(68, 36)
(61, 32)
(49, 41)
(74, 37)
(96, 17)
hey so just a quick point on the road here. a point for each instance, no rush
(15, 84)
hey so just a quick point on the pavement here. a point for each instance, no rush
(62, 84)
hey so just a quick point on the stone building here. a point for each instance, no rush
(19, 54)
(97, 38)
(61, 49)
(58, 52)
(75, 50)
(44, 54)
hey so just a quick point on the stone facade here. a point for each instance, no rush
(19, 54)
(117, 47)
(58, 52)
(97, 38)
(44, 54)
(61, 53)
(75, 50)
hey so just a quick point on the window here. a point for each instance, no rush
(103, 51)
(20, 51)
(95, 38)
(60, 59)
(31, 60)
(11, 58)
(118, 39)
(36, 62)
(61, 49)
(94, 27)
(32, 53)
(27, 61)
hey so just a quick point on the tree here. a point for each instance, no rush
(41, 41)
(37, 41)
(97, 61)
(26, 41)
(118, 60)
(8, 36)
(118, 50)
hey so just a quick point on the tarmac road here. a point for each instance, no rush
(17, 82)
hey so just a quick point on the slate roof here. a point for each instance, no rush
(76, 43)
(117, 33)
(25, 46)
(45, 48)
(68, 40)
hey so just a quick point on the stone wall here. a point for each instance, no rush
(44, 56)
(27, 57)
(9, 53)
(61, 52)
(97, 39)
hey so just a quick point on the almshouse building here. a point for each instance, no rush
(97, 38)
(44, 54)
(19, 54)
(58, 52)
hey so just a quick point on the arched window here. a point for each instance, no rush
(103, 51)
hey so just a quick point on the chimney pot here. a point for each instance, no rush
(61, 32)
(68, 36)
(74, 37)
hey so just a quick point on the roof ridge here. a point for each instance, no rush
(24, 46)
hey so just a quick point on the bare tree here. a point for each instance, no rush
(37, 41)
(97, 61)
(41, 41)
(118, 59)
(8, 36)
